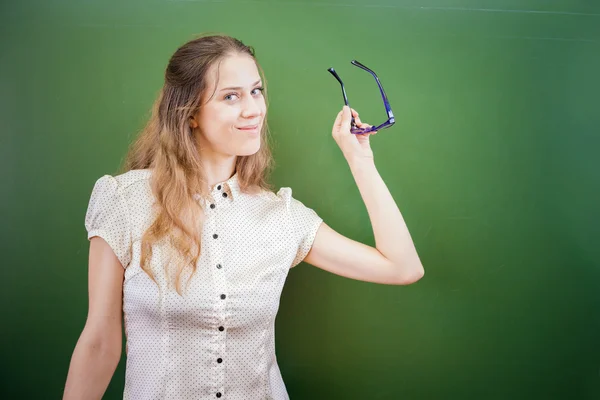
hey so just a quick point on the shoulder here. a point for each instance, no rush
(265, 199)
(283, 196)
(131, 187)
(125, 181)
(132, 179)
(131, 183)
(122, 199)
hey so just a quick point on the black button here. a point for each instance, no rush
(219, 360)
(223, 297)
(219, 187)
(221, 328)
(219, 266)
(218, 394)
(215, 236)
(224, 194)
(212, 206)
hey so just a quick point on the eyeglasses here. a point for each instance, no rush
(353, 128)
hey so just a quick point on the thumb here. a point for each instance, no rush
(346, 119)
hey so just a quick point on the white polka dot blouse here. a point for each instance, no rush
(217, 340)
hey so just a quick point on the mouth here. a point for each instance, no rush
(249, 128)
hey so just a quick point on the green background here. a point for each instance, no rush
(493, 162)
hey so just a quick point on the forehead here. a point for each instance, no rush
(234, 70)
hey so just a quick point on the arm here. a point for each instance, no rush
(98, 349)
(394, 260)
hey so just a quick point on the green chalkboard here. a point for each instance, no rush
(493, 162)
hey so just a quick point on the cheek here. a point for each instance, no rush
(219, 120)
(263, 106)
(227, 117)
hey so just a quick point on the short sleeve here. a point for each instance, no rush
(304, 223)
(107, 216)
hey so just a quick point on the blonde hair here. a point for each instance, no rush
(167, 145)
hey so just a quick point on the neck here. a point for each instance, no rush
(218, 173)
(218, 168)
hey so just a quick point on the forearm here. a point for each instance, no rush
(90, 371)
(392, 238)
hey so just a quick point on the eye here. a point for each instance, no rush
(229, 96)
(258, 90)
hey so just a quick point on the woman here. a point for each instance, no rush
(191, 245)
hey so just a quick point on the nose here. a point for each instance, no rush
(252, 108)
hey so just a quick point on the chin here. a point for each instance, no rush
(249, 150)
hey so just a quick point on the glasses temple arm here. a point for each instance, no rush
(388, 108)
(332, 71)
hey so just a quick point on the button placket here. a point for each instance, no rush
(218, 269)
(221, 293)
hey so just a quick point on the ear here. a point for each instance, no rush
(193, 122)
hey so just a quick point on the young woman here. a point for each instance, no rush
(192, 247)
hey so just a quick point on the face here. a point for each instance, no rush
(230, 119)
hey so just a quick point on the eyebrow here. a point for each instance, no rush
(239, 87)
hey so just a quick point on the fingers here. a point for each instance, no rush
(359, 123)
(343, 120)
(357, 120)
(346, 119)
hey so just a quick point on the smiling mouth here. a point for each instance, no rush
(248, 128)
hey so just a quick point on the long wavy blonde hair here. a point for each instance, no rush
(167, 145)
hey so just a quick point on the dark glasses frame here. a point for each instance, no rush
(353, 128)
